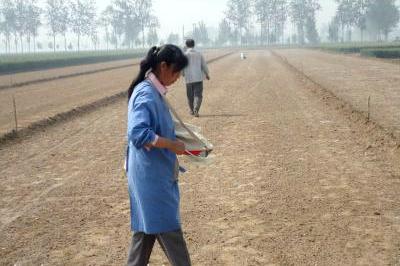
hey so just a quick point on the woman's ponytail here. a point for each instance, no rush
(145, 65)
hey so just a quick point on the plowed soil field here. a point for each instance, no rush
(354, 80)
(297, 178)
(40, 100)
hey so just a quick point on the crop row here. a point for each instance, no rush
(30, 62)
(379, 50)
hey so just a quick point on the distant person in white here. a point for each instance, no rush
(194, 75)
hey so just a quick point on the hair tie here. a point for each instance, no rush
(156, 50)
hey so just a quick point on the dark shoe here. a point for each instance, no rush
(191, 113)
(196, 114)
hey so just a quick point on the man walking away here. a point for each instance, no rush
(194, 75)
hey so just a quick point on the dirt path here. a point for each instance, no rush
(295, 181)
(354, 79)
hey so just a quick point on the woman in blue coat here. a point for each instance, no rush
(151, 164)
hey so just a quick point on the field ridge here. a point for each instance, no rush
(352, 112)
(74, 112)
(36, 81)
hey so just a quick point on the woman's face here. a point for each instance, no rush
(167, 74)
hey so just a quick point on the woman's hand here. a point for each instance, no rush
(177, 147)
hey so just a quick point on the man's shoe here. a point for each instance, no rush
(191, 113)
(196, 114)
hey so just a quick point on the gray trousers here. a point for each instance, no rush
(195, 95)
(172, 243)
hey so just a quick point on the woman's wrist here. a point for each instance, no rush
(163, 143)
(175, 146)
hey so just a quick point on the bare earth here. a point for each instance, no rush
(354, 79)
(297, 180)
(41, 100)
(10, 79)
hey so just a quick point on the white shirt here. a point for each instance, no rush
(197, 67)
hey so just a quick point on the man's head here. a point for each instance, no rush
(190, 43)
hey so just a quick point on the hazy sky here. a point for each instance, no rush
(173, 14)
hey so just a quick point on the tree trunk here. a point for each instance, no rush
(143, 34)
(261, 34)
(300, 29)
(107, 41)
(7, 44)
(34, 44)
(22, 45)
(362, 35)
(240, 36)
(342, 33)
(16, 43)
(65, 42)
(349, 33)
(29, 42)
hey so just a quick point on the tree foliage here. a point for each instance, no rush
(200, 33)
(272, 16)
(302, 13)
(173, 38)
(8, 25)
(239, 14)
(83, 14)
(224, 32)
(57, 13)
(383, 16)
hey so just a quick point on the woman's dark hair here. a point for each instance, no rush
(169, 53)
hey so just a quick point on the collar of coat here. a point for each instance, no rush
(157, 84)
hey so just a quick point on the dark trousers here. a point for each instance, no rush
(195, 95)
(172, 243)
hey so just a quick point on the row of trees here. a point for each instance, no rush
(19, 19)
(272, 17)
(377, 17)
(124, 22)
(128, 23)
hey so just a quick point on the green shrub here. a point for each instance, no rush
(382, 52)
(29, 62)
(356, 47)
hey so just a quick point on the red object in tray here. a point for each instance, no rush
(199, 153)
(195, 153)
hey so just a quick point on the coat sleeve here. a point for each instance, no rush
(204, 67)
(140, 117)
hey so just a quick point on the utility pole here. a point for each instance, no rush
(183, 33)
(194, 29)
